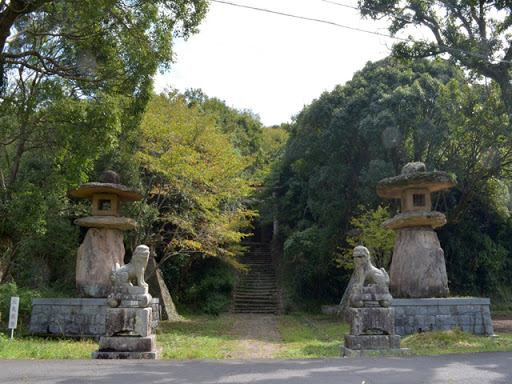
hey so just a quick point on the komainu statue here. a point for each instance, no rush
(134, 270)
(123, 289)
(377, 288)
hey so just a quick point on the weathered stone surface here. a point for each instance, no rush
(413, 168)
(128, 320)
(370, 320)
(431, 219)
(347, 352)
(380, 294)
(87, 190)
(124, 355)
(123, 292)
(392, 187)
(75, 317)
(127, 344)
(470, 315)
(418, 267)
(110, 222)
(372, 341)
(100, 251)
(128, 297)
(377, 279)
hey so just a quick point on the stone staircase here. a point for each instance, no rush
(256, 291)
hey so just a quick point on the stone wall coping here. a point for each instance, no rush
(441, 301)
(76, 301)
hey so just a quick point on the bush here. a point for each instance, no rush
(204, 285)
(25, 308)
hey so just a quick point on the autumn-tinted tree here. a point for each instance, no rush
(243, 127)
(194, 178)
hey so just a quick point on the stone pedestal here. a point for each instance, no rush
(128, 335)
(375, 293)
(418, 267)
(101, 249)
(370, 320)
(128, 347)
(372, 332)
(471, 315)
(76, 317)
(128, 321)
(122, 321)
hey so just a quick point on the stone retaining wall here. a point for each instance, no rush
(470, 315)
(75, 317)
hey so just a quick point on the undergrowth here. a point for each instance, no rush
(455, 341)
(213, 337)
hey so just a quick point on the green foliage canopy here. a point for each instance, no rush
(75, 79)
(476, 34)
(389, 114)
(195, 180)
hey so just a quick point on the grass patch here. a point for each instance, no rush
(455, 341)
(198, 337)
(308, 336)
(28, 347)
(213, 337)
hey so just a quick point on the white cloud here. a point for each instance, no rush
(273, 64)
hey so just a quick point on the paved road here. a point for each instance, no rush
(482, 368)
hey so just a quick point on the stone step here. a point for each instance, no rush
(257, 311)
(255, 298)
(256, 291)
(257, 287)
(254, 307)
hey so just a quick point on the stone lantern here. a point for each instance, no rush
(418, 267)
(103, 245)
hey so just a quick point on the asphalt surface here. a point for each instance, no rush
(479, 368)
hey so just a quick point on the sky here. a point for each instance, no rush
(272, 64)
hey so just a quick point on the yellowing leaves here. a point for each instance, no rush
(196, 178)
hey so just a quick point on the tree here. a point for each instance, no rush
(194, 180)
(367, 230)
(94, 44)
(71, 90)
(473, 33)
(389, 114)
(243, 127)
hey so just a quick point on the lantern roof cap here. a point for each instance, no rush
(414, 176)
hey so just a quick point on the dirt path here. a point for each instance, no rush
(502, 324)
(259, 336)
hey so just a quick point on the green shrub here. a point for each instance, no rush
(25, 308)
(216, 304)
(204, 285)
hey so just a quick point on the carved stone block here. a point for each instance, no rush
(128, 344)
(372, 341)
(371, 320)
(122, 321)
(381, 294)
